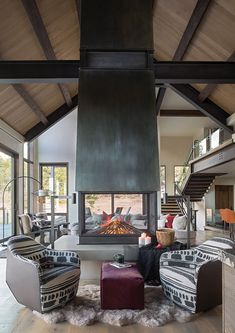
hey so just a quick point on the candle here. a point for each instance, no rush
(141, 241)
(147, 240)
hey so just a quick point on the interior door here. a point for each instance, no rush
(224, 196)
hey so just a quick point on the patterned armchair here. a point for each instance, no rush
(40, 278)
(193, 278)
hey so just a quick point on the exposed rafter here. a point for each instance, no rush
(188, 34)
(160, 96)
(195, 19)
(30, 102)
(42, 35)
(55, 116)
(209, 88)
(77, 3)
(208, 108)
(180, 113)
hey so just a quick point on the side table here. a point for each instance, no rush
(148, 260)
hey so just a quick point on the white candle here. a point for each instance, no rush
(141, 241)
(147, 240)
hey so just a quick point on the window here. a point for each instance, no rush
(28, 171)
(54, 177)
(163, 179)
(180, 173)
(7, 173)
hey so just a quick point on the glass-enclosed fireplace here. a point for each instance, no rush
(115, 217)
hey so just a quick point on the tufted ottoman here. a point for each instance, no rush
(121, 288)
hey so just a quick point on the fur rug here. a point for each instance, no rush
(85, 310)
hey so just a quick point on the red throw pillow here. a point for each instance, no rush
(169, 221)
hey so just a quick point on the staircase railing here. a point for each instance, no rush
(182, 203)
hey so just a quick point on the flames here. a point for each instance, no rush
(116, 227)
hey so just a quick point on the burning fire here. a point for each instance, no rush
(116, 227)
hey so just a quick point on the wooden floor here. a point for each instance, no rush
(15, 318)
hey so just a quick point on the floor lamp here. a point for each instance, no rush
(39, 193)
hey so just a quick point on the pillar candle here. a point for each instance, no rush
(147, 240)
(141, 241)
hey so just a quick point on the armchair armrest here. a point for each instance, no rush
(25, 284)
(179, 258)
(62, 257)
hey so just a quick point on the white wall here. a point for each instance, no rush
(174, 151)
(58, 144)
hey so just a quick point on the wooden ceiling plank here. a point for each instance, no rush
(30, 102)
(209, 88)
(188, 34)
(55, 116)
(35, 18)
(210, 109)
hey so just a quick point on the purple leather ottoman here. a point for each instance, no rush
(121, 288)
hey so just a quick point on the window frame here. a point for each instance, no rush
(54, 165)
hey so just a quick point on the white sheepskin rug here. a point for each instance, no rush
(85, 310)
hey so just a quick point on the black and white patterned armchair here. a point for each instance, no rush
(193, 278)
(40, 278)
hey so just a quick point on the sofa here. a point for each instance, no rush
(192, 278)
(179, 224)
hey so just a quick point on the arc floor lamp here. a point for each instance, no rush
(39, 193)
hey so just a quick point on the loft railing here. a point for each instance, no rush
(210, 142)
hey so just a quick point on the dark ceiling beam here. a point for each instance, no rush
(209, 88)
(55, 71)
(35, 18)
(188, 34)
(53, 118)
(160, 96)
(77, 3)
(195, 19)
(34, 107)
(194, 72)
(208, 108)
(180, 113)
(39, 71)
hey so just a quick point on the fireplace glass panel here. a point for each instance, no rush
(102, 209)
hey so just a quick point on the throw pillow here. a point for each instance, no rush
(161, 223)
(169, 219)
(179, 223)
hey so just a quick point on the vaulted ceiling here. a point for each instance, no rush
(50, 30)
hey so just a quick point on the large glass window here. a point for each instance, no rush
(7, 173)
(54, 177)
(180, 173)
